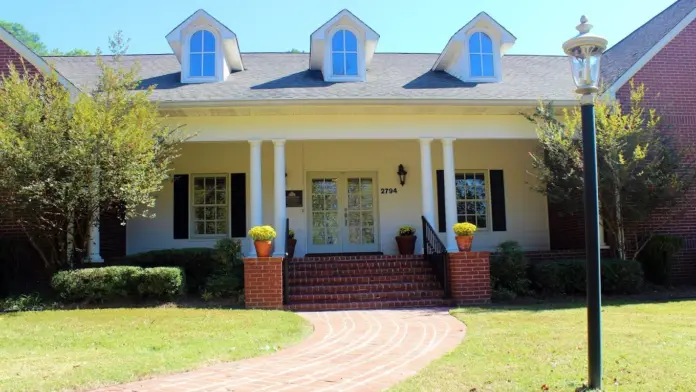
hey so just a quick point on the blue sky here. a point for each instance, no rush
(279, 25)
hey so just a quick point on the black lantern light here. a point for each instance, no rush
(402, 174)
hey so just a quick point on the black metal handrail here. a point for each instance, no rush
(435, 252)
(286, 264)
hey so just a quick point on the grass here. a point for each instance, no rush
(647, 347)
(55, 350)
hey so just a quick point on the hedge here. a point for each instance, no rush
(570, 276)
(198, 263)
(112, 283)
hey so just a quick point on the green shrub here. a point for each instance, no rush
(223, 285)
(113, 283)
(570, 277)
(657, 256)
(197, 263)
(23, 303)
(509, 269)
(161, 283)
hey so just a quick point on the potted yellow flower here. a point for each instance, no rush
(263, 237)
(464, 233)
(406, 240)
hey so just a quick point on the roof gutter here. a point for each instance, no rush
(362, 102)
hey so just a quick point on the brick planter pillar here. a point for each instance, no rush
(470, 277)
(263, 282)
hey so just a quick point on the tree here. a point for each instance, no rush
(33, 41)
(641, 172)
(64, 160)
(295, 50)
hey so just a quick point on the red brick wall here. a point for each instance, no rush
(670, 78)
(470, 277)
(263, 283)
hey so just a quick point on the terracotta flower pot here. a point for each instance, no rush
(291, 247)
(464, 242)
(406, 244)
(263, 248)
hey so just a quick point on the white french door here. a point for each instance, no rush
(342, 212)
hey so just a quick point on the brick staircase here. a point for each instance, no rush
(362, 282)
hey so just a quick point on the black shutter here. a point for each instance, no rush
(440, 180)
(238, 213)
(498, 200)
(181, 206)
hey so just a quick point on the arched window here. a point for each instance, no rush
(481, 55)
(344, 53)
(202, 54)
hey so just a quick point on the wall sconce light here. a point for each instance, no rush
(402, 174)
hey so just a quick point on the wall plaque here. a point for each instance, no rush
(293, 198)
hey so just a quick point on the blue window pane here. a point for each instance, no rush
(351, 42)
(197, 41)
(209, 64)
(475, 43)
(195, 64)
(337, 59)
(337, 41)
(486, 44)
(475, 61)
(351, 63)
(487, 65)
(208, 41)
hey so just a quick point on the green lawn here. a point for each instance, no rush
(647, 347)
(54, 350)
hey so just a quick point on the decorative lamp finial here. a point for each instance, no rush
(584, 27)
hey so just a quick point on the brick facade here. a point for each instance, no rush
(470, 277)
(263, 283)
(671, 82)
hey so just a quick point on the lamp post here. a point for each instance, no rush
(584, 52)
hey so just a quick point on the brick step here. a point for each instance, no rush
(366, 296)
(355, 305)
(307, 280)
(365, 288)
(361, 264)
(362, 271)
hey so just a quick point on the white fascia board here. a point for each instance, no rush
(623, 79)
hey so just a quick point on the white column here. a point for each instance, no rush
(255, 190)
(279, 193)
(450, 192)
(427, 200)
(93, 244)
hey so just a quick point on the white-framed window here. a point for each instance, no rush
(472, 197)
(344, 53)
(202, 54)
(481, 60)
(209, 205)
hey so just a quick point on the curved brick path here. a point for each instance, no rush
(348, 351)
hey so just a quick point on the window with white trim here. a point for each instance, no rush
(202, 54)
(481, 62)
(344, 53)
(209, 206)
(472, 197)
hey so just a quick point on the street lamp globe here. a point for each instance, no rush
(584, 52)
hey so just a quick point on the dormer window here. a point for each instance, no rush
(342, 48)
(474, 53)
(481, 56)
(344, 53)
(202, 54)
(207, 50)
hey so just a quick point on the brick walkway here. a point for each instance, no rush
(348, 351)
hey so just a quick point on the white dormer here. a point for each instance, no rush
(206, 49)
(474, 53)
(342, 48)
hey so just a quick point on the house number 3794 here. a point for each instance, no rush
(387, 191)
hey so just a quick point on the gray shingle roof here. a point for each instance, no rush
(281, 76)
(620, 57)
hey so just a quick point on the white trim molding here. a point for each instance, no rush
(638, 65)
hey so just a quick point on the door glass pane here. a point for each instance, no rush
(360, 211)
(325, 227)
